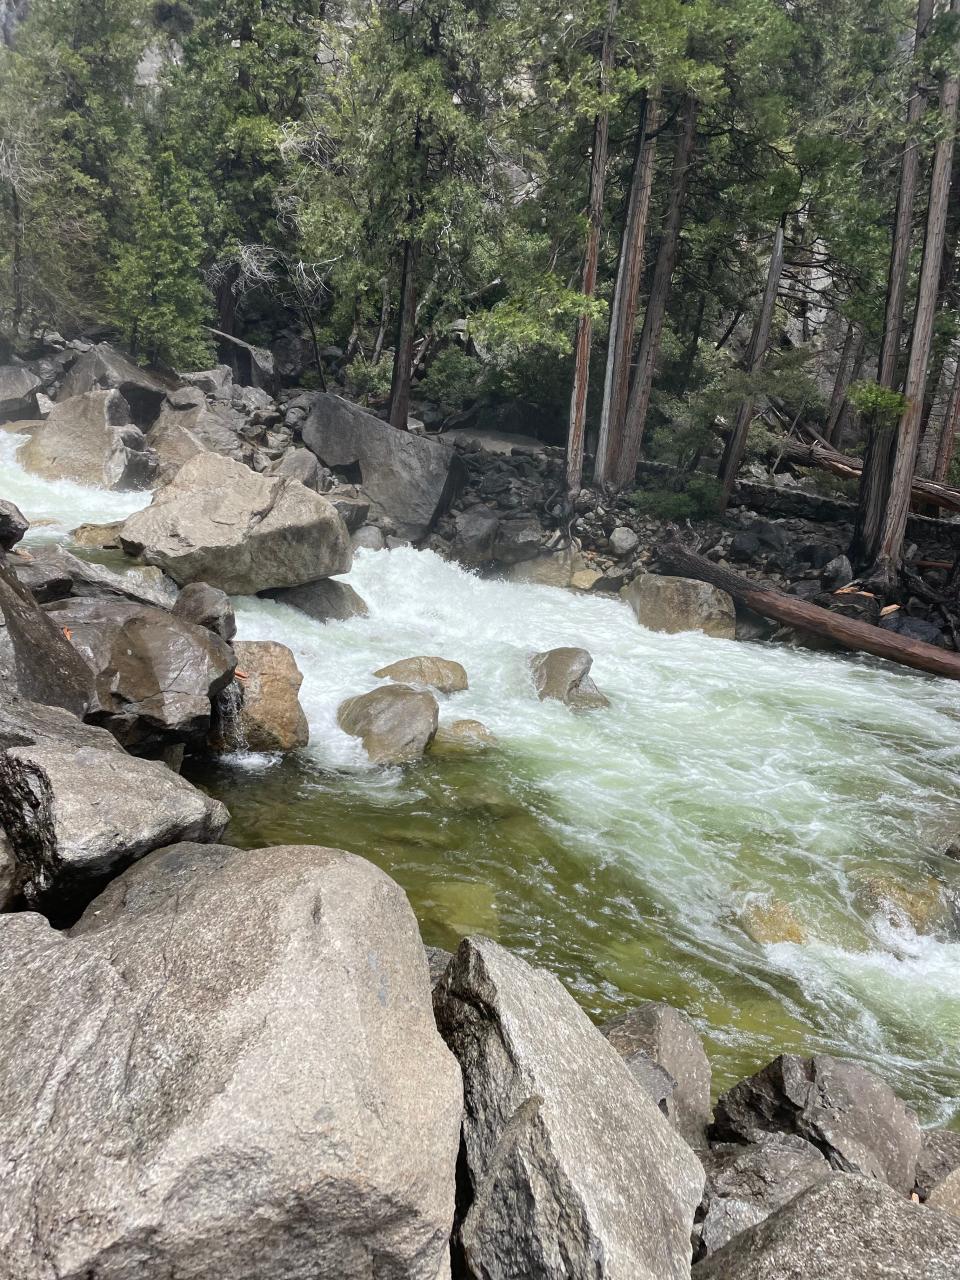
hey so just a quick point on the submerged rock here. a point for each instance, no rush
(270, 716)
(844, 1228)
(463, 736)
(548, 569)
(246, 1080)
(155, 673)
(76, 815)
(408, 478)
(663, 603)
(855, 1119)
(219, 522)
(325, 600)
(572, 1170)
(434, 673)
(563, 675)
(90, 440)
(395, 723)
(769, 920)
(657, 1033)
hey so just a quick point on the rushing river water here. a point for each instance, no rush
(752, 833)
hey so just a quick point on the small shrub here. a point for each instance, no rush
(698, 499)
(369, 381)
(451, 381)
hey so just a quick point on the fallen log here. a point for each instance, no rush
(817, 453)
(862, 637)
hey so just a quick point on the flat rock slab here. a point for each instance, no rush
(845, 1228)
(573, 1172)
(228, 1069)
(407, 478)
(220, 523)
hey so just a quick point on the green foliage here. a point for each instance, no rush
(696, 497)
(369, 382)
(880, 405)
(452, 380)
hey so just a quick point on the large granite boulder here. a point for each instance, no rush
(53, 573)
(155, 674)
(569, 1169)
(475, 536)
(229, 1068)
(939, 1156)
(76, 815)
(186, 426)
(90, 440)
(27, 724)
(844, 1228)
(662, 603)
(18, 393)
(563, 675)
(946, 1194)
(326, 600)
(249, 366)
(13, 524)
(746, 1183)
(208, 607)
(37, 661)
(856, 1120)
(407, 477)
(102, 368)
(220, 523)
(658, 1033)
(269, 716)
(396, 724)
(442, 674)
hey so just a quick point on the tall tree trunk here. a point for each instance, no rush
(581, 363)
(406, 330)
(384, 320)
(623, 312)
(16, 260)
(639, 400)
(948, 428)
(856, 369)
(878, 459)
(759, 340)
(841, 382)
(894, 525)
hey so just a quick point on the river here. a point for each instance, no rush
(751, 832)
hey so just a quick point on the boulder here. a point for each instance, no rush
(370, 538)
(104, 369)
(207, 606)
(90, 440)
(475, 535)
(155, 674)
(298, 464)
(18, 393)
(396, 724)
(187, 428)
(663, 603)
(216, 382)
(28, 724)
(623, 542)
(433, 673)
(13, 525)
(243, 1078)
(325, 600)
(408, 478)
(11, 875)
(353, 507)
(939, 1156)
(518, 538)
(745, 1184)
(270, 716)
(52, 573)
(856, 1120)
(220, 523)
(105, 537)
(837, 573)
(661, 1034)
(844, 1228)
(547, 569)
(946, 1194)
(437, 961)
(37, 661)
(75, 816)
(463, 736)
(569, 1168)
(249, 366)
(564, 676)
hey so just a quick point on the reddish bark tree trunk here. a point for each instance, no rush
(948, 429)
(623, 312)
(406, 328)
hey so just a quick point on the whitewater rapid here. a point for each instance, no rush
(622, 847)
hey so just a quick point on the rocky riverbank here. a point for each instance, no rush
(244, 1062)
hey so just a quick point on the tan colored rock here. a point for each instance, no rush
(463, 736)
(547, 569)
(668, 604)
(585, 579)
(395, 723)
(563, 675)
(271, 718)
(920, 905)
(90, 440)
(767, 920)
(434, 673)
(103, 536)
(221, 523)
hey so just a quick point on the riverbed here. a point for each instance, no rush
(738, 834)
